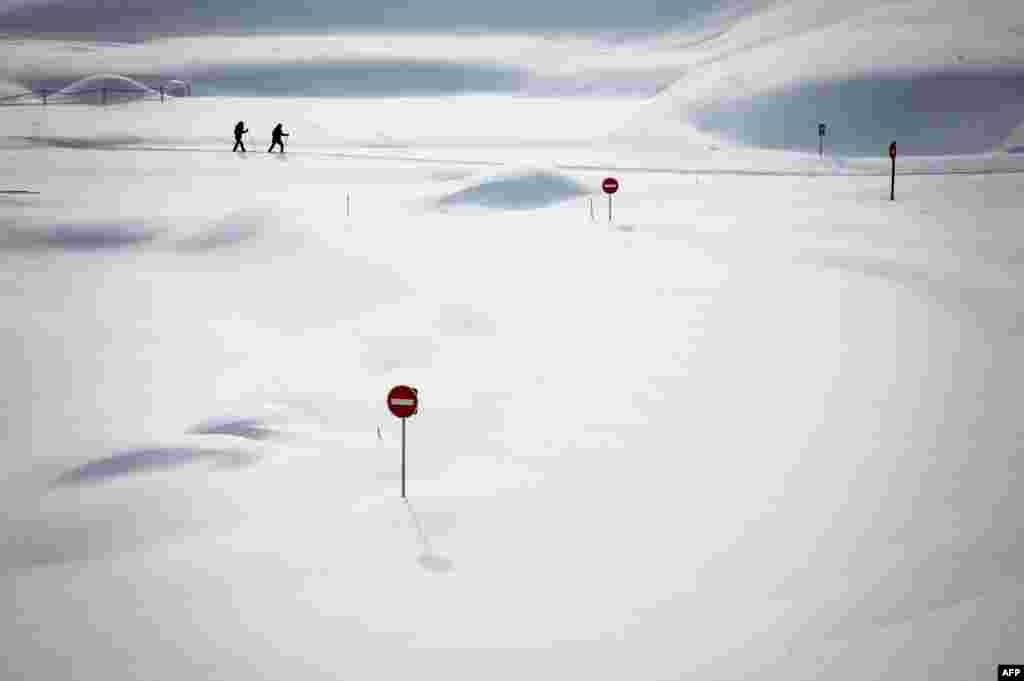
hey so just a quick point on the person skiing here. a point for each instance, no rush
(240, 130)
(275, 138)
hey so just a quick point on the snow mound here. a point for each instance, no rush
(520, 191)
(104, 89)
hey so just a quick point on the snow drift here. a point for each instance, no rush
(528, 190)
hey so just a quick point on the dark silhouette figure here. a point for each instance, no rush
(275, 138)
(240, 130)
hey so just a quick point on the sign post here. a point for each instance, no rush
(892, 186)
(403, 402)
(821, 139)
(610, 185)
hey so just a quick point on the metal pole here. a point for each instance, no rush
(347, 214)
(821, 145)
(403, 458)
(892, 190)
(609, 208)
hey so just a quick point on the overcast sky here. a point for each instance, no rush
(136, 19)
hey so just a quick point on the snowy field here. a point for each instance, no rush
(764, 422)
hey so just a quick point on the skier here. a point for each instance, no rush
(275, 138)
(240, 130)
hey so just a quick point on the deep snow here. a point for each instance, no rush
(761, 423)
(758, 422)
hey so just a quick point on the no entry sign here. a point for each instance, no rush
(610, 185)
(402, 401)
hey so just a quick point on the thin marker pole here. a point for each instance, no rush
(892, 190)
(403, 458)
(609, 208)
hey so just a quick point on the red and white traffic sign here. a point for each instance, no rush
(610, 185)
(403, 401)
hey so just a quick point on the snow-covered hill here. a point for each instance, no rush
(941, 76)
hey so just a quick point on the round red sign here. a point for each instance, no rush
(402, 401)
(892, 150)
(610, 185)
